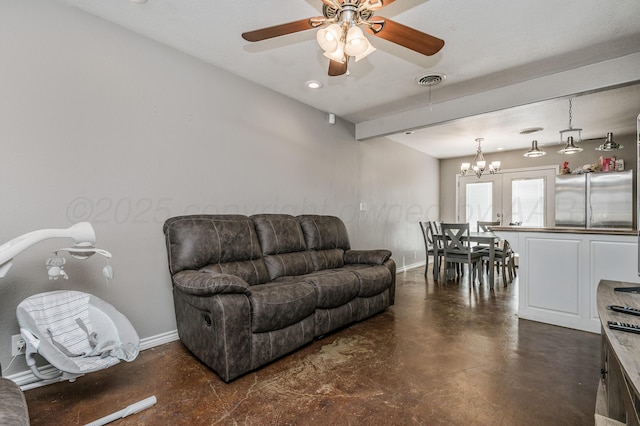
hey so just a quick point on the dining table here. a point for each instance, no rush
(487, 238)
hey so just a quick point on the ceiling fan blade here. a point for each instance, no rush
(378, 4)
(405, 36)
(338, 68)
(283, 29)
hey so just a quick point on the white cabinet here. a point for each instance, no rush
(559, 272)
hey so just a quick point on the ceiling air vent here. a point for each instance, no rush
(530, 130)
(430, 79)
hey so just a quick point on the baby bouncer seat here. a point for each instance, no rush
(75, 332)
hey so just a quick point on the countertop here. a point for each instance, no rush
(559, 230)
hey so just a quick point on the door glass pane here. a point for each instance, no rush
(479, 205)
(528, 202)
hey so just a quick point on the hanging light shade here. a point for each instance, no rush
(609, 144)
(356, 43)
(534, 151)
(570, 147)
(329, 38)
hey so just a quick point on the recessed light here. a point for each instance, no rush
(408, 132)
(313, 84)
(499, 149)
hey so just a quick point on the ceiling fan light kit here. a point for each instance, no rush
(343, 38)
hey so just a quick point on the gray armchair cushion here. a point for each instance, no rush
(278, 305)
(369, 257)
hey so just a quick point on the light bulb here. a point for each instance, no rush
(329, 38)
(356, 42)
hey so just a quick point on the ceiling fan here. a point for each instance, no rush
(342, 38)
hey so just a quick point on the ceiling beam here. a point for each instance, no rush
(599, 76)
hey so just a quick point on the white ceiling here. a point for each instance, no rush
(490, 46)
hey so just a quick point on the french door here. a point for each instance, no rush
(479, 199)
(525, 197)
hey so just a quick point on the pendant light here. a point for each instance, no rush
(534, 151)
(609, 144)
(570, 147)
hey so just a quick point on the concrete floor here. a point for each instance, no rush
(445, 353)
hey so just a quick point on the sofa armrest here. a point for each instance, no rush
(368, 257)
(209, 283)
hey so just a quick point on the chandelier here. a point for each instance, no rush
(570, 147)
(479, 165)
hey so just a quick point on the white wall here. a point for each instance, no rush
(102, 125)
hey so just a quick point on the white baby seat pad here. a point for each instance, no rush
(76, 332)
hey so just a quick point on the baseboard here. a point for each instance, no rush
(26, 380)
(406, 268)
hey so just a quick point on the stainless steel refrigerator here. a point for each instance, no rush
(595, 200)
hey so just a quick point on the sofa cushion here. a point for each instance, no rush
(334, 287)
(328, 320)
(278, 305)
(327, 259)
(324, 232)
(194, 242)
(283, 246)
(252, 271)
(267, 346)
(373, 280)
(327, 238)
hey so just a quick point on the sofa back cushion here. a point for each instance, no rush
(215, 243)
(283, 246)
(327, 239)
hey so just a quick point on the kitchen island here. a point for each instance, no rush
(560, 268)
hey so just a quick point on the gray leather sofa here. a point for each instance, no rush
(248, 290)
(13, 407)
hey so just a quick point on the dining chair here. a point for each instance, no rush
(484, 226)
(429, 244)
(504, 259)
(457, 249)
